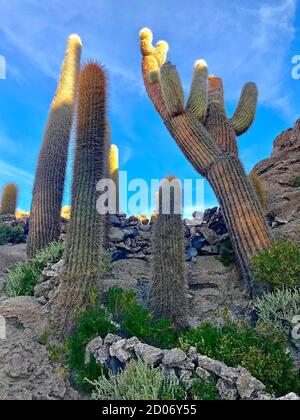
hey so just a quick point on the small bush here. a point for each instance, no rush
(94, 322)
(278, 266)
(295, 182)
(9, 234)
(279, 308)
(136, 321)
(138, 381)
(203, 391)
(261, 350)
(21, 280)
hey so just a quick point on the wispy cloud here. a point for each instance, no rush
(14, 173)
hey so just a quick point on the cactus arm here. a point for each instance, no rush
(198, 99)
(246, 109)
(172, 90)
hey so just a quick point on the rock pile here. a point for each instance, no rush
(115, 352)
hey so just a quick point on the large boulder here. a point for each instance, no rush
(278, 173)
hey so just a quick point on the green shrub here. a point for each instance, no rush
(9, 234)
(278, 266)
(136, 321)
(94, 322)
(261, 350)
(203, 391)
(138, 381)
(295, 182)
(279, 308)
(227, 254)
(21, 280)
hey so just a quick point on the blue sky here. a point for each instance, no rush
(241, 41)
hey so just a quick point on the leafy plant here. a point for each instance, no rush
(92, 323)
(261, 350)
(278, 266)
(137, 321)
(279, 308)
(203, 391)
(21, 280)
(9, 234)
(138, 381)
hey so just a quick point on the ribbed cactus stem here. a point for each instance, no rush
(114, 172)
(85, 238)
(50, 173)
(172, 89)
(246, 109)
(168, 289)
(9, 200)
(198, 99)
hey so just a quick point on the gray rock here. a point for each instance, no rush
(211, 365)
(203, 374)
(227, 392)
(116, 234)
(119, 350)
(247, 386)
(111, 339)
(289, 397)
(151, 355)
(174, 358)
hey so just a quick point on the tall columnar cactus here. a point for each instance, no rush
(168, 289)
(50, 173)
(207, 137)
(9, 199)
(85, 238)
(114, 171)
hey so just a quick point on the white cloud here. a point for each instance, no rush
(14, 173)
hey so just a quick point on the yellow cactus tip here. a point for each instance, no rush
(75, 39)
(200, 65)
(163, 44)
(146, 35)
(154, 76)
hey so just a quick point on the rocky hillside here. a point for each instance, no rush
(281, 173)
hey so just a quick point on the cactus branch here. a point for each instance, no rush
(246, 109)
(198, 99)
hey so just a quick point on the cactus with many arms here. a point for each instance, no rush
(50, 173)
(207, 137)
(86, 233)
(114, 171)
(168, 290)
(9, 199)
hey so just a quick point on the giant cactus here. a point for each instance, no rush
(207, 137)
(114, 171)
(9, 199)
(50, 173)
(86, 233)
(168, 289)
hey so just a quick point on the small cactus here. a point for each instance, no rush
(168, 289)
(50, 173)
(86, 233)
(114, 172)
(9, 199)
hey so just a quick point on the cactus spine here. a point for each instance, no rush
(9, 199)
(85, 238)
(114, 172)
(207, 137)
(50, 173)
(168, 290)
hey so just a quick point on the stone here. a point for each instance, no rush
(199, 242)
(210, 235)
(203, 374)
(191, 253)
(127, 274)
(118, 254)
(209, 250)
(211, 365)
(149, 354)
(209, 213)
(116, 234)
(227, 392)
(199, 215)
(248, 386)
(111, 339)
(145, 227)
(289, 397)
(119, 350)
(115, 220)
(174, 358)
(131, 232)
